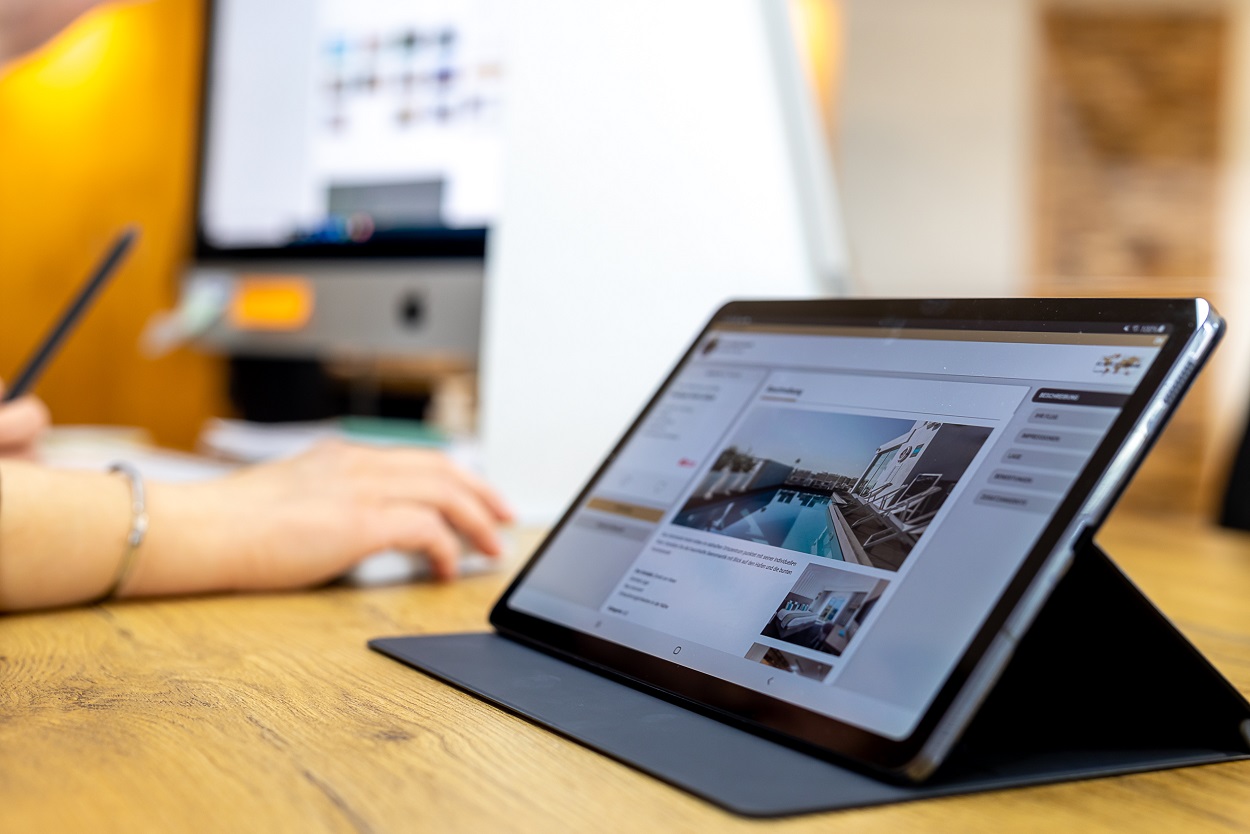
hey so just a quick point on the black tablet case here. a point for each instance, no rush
(1101, 685)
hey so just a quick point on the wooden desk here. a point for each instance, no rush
(268, 713)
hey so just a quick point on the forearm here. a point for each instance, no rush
(62, 534)
(63, 538)
(294, 523)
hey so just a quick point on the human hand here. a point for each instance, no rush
(26, 25)
(302, 521)
(22, 422)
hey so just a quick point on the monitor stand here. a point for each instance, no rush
(1101, 685)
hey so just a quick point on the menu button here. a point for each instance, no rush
(1065, 396)
(1014, 501)
(1057, 438)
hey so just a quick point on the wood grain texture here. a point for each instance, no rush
(268, 713)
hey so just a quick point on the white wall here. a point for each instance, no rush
(651, 173)
(934, 145)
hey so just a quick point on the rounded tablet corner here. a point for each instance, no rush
(1202, 309)
(919, 769)
(728, 308)
(1245, 731)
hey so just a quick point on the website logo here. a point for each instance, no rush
(1118, 364)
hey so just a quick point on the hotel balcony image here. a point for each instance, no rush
(874, 518)
(879, 520)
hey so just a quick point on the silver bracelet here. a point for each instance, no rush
(138, 527)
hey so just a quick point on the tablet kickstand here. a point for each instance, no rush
(1101, 685)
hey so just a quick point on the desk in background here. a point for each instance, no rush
(268, 713)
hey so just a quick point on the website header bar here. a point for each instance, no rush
(1118, 365)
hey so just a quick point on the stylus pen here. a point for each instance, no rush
(34, 366)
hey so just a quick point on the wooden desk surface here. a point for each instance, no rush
(268, 713)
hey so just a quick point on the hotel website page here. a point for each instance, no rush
(828, 516)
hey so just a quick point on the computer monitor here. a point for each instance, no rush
(354, 144)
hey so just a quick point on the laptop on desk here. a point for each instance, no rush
(800, 578)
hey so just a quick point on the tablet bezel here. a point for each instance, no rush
(1108, 470)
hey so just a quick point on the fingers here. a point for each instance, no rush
(461, 506)
(425, 498)
(21, 424)
(425, 475)
(37, 23)
(463, 501)
(421, 529)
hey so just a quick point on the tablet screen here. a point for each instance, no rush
(826, 514)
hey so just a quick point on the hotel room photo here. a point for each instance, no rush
(824, 609)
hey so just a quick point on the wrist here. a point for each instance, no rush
(61, 534)
(187, 548)
(137, 530)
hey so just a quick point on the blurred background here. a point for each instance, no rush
(981, 147)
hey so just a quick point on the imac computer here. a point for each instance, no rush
(349, 167)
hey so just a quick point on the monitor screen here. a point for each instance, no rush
(350, 128)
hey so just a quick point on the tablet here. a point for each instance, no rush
(835, 519)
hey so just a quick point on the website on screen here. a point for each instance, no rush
(829, 518)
